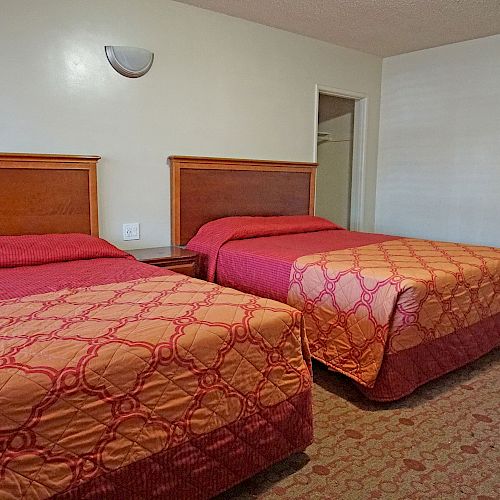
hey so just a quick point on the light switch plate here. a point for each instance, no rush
(131, 231)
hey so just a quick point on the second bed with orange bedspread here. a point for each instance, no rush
(391, 313)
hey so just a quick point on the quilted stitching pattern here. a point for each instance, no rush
(209, 464)
(363, 303)
(97, 378)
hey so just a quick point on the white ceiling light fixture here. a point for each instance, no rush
(131, 62)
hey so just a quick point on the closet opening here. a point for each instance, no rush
(339, 151)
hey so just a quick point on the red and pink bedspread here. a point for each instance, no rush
(121, 380)
(391, 313)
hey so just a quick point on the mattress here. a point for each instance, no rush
(121, 380)
(391, 313)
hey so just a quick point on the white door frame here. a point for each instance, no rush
(357, 221)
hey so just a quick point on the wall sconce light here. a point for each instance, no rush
(131, 62)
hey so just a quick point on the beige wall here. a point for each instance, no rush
(439, 154)
(333, 192)
(219, 86)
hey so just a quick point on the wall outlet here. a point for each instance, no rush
(131, 231)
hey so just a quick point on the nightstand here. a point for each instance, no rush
(176, 259)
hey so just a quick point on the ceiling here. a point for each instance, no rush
(380, 27)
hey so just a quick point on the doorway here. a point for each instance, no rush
(339, 151)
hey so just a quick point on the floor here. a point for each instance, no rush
(441, 442)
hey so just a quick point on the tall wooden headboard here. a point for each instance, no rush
(48, 194)
(205, 189)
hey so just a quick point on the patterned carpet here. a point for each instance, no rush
(442, 442)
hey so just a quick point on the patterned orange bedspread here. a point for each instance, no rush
(92, 379)
(363, 303)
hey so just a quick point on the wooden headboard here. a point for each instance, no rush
(205, 189)
(48, 194)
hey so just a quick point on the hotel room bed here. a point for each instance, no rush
(123, 380)
(389, 312)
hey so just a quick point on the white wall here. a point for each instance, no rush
(439, 152)
(219, 86)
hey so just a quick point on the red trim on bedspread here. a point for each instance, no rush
(36, 249)
(261, 266)
(210, 464)
(30, 280)
(213, 235)
(403, 372)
